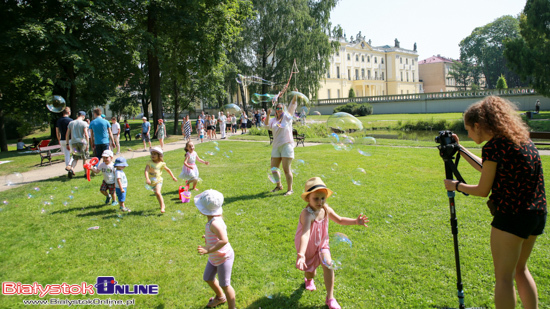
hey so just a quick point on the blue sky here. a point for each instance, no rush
(437, 26)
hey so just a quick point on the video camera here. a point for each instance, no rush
(448, 146)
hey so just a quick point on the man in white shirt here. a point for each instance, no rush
(222, 119)
(115, 129)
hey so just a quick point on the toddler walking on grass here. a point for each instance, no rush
(220, 253)
(312, 240)
(153, 174)
(121, 182)
(107, 167)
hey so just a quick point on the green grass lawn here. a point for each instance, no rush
(404, 259)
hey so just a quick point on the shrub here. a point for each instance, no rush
(355, 109)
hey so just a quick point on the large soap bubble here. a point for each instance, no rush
(56, 104)
(340, 249)
(14, 179)
(232, 109)
(247, 80)
(257, 98)
(343, 123)
(301, 98)
(366, 146)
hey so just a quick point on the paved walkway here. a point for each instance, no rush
(57, 169)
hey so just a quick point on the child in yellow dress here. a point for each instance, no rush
(153, 174)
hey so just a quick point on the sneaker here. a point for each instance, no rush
(115, 203)
(125, 209)
(108, 200)
(118, 153)
(310, 285)
(332, 304)
(70, 174)
(215, 301)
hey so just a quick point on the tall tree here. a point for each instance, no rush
(283, 31)
(485, 49)
(529, 55)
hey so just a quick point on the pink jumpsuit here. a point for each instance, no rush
(318, 239)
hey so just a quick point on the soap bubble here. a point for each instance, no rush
(334, 140)
(340, 248)
(366, 146)
(148, 187)
(71, 197)
(274, 175)
(257, 98)
(29, 196)
(43, 211)
(334, 167)
(298, 166)
(65, 203)
(347, 142)
(36, 189)
(51, 197)
(359, 176)
(301, 98)
(228, 154)
(56, 104)
(317, 113)
(305, 110)
(13, 179)
(247, 80)
(270, 290)
(232, 109)
(174, 219)
(5, 202)
(343, 123)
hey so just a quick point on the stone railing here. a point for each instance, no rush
(429, 96)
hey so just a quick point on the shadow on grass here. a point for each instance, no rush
(283, 301)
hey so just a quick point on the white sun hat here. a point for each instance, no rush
(209, 202)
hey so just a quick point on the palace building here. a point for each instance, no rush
(370, 70)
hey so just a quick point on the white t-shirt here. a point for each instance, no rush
(115, 128)
(108, 172)
(222, 119)
(244, 118)
(122, 176)
(233, 120)
(282, 131)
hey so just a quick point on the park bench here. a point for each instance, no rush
(48, 152)
(540, 135)
(298, 138)
(43, 143)
(270, 134)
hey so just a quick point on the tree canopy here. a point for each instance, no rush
(529, 55)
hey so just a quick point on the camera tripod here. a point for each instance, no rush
(447, 151)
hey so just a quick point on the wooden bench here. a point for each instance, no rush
(540, 135)
(270, 134)
(48, 152)
(298, 138)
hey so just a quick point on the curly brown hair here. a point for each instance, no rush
(499, 117)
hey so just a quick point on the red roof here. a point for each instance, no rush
(435, 59)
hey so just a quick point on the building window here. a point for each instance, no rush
(382, 60)
(357, 58)
(407, 76)
(328, 73)
(375, 75)
(406, 60)
(400, 60)
(368, 59)
(349, 74)
(382, 75)
(401, 76)
(337, 53)
(412, 62)
(349, 57)
(413, 76)
(407, 91)
(338, 93)
(337, 72)
(362, 73)
(368, 74)
(328, 93)
(362, 58)
(375, 60)
(356, 74)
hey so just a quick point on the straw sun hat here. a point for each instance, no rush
(315, 184)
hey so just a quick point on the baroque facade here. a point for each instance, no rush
(370, 70)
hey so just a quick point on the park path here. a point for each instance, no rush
(57, 169)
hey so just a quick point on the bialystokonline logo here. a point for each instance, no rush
(105, 285)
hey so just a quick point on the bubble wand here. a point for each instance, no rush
(88, 167)
(280, 94)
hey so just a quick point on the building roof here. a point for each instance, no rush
(436, 59)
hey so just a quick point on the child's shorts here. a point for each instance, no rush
(121, 196)
(223, 271)
(202, 136)
(107, 186)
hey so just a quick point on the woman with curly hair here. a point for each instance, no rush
(511, 171)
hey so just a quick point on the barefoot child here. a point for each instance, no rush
(220, 253)
(311, 239)
(108, 169)
(121, 182)
(153, 174)
(189, 171)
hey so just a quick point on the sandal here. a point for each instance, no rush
(289, 192)
(277, 188)
(216, 301)
(332, 304)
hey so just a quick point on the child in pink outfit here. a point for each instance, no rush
(311, 239)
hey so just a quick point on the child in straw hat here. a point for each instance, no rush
(312, 239)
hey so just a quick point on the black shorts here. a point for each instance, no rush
(243, 125)
(98, 150)
(521, 225)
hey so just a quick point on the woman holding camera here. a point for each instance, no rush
(511, 171)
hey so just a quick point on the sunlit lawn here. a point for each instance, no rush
(404, 259)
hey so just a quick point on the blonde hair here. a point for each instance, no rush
(499, 117)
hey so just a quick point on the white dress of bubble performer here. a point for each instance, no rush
(283, 143)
